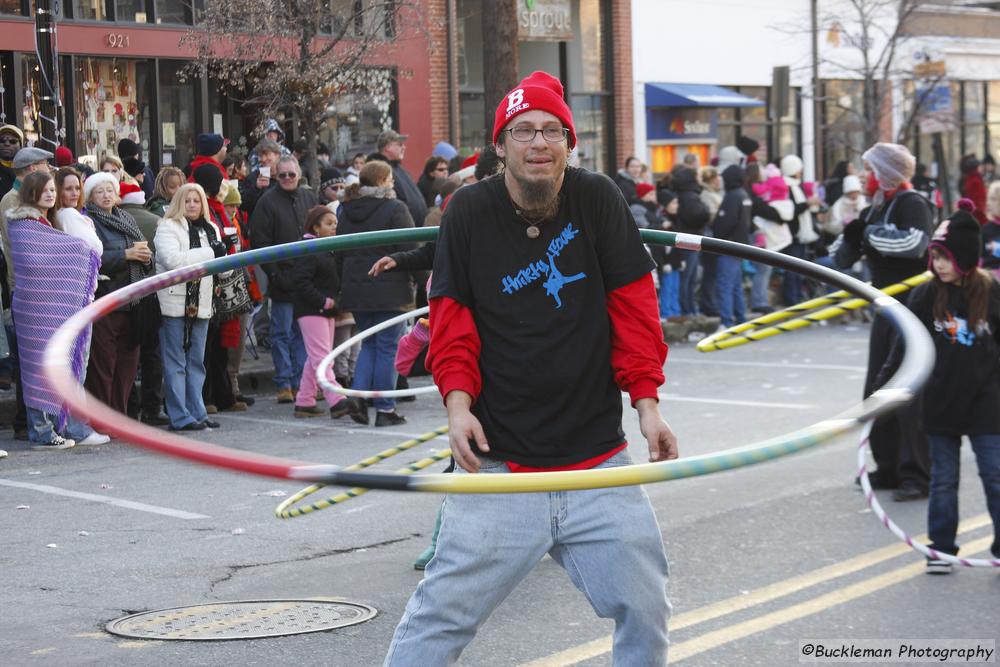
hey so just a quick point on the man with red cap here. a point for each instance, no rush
(542, 312)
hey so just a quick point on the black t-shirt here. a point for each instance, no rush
(963, 393)
(549, 397)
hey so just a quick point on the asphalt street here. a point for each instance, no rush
(761, 558)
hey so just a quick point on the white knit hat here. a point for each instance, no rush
(791, 165)
(96, 179)
(728, 156)
(852, 184)
(893, 164)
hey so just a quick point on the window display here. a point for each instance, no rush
(112, 103)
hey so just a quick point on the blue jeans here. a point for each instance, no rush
(607, 540)
(729, 290)
(760, 296)
(689, 306)
(183, 372)
(288, 351)
(376, 367)
(942, 506)
(670, 287)
(41, 427)
(791, 284)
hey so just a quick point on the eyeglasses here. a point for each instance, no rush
(527, 134)
(287, 174)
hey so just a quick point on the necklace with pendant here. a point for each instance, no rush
(532, 231)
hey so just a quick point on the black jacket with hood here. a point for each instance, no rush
(692, 214)
(732, 222)
(277, 219)
(375, 210)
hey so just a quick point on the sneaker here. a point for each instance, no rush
(938, 566)
(95, 438)
(57, 442)
(193, 426)
(306, 411)
(343, 408)
(155, 420)
(208, 423)
(237, 406)
(424, 558)
(909, 491)
(3, 453)
(389, 419)
(285, 396)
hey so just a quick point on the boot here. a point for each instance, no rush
(428, 553)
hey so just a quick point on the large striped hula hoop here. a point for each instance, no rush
(804, 314)
(900, 389)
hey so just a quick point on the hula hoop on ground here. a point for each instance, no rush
(893, 527)
(323, 370)
(748, 332)
(901, 388)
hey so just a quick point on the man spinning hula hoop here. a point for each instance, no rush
(542, 311)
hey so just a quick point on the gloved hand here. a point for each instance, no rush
(218, 247)
(854, 232)
(231, 240)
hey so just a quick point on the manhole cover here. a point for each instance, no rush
(244, 619)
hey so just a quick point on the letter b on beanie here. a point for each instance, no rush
(540, 91)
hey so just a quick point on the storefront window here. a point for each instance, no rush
(178, 114)
(172, 11)
(586, 52)
(354, 121)
(130, 10)
(31, 76)
(112, 103)
(590, 119)
(473, 133)
(10, 7)
(90, 10)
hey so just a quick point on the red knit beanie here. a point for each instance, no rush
(643, 189)
(540, 91)
(64, 157)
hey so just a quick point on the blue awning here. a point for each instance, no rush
(695, 95)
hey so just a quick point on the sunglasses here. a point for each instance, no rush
(287, 174)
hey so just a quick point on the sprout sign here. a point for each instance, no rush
(544, 20)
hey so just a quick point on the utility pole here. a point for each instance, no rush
(499, 56)
(817, 105)
(48, 74)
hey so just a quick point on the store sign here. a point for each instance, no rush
(670, 123)
(117, 40)
(936, 109)
(544, 20)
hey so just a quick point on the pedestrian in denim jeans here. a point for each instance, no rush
(538, 272)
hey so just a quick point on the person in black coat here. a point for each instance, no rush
(732, 223)
(392, 145)
(693, 218)
(628, 178)
(371, 205)
(317, 286)
(277, 219)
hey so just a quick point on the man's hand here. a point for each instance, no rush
(661, 440)
(384, 264)
(463, 425)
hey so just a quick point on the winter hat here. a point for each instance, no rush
(960, 238)
(209, 144)
(329, 176)
(771, 171)
(664, 196)
(13, 129)
(96, 179)
(728, 156)
(131, 194)
(209, 178)
(470, 161)
(127, 148)
(791, 165)
(314, 215)
(133, 166)
(64, 157)
(852, 184)
(643, 189)
(233, 197)
(26, 157)
(747, 145)
(893, 164)
(540, 91)
(445, 150)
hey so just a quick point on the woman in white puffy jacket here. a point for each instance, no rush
(183, 237)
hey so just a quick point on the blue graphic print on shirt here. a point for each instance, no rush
(956, 330)
(554, 278)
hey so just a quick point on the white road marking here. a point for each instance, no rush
(762, 364)
(117, 502)
(670, 398)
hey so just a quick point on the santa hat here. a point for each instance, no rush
(643, 189)
(539, 92)
(64, 157)
(960, 238)
(131, 194)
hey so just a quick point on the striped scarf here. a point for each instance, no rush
(56, 275)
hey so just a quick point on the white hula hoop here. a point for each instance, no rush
(324, 366)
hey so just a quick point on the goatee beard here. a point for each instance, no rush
(540, 200)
